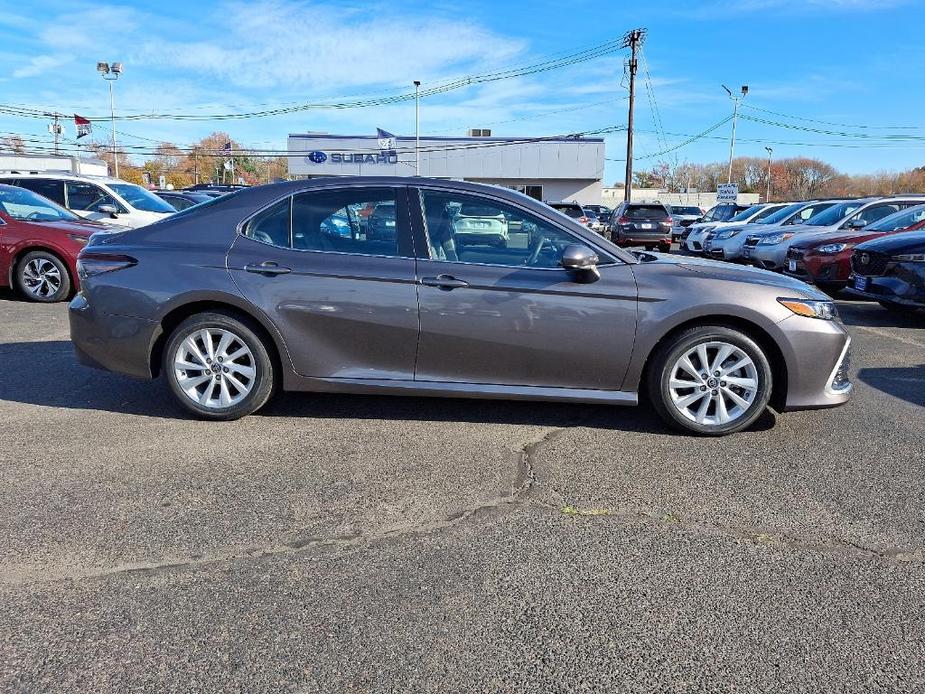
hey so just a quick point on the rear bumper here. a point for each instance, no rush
(640, 239)
(121, 344)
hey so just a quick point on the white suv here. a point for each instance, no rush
(102, 199)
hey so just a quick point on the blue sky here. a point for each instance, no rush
(848, 62)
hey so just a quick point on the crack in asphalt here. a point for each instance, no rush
(524, 479)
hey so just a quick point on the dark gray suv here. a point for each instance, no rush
(283, 286)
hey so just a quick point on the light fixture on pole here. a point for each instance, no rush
(735, 116)
(110, 72)
(768, 196)
(417, 128)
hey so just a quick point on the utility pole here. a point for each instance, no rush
(633, 40)
(768, 196)
(417, 128)
(55, 129)
(735, 116)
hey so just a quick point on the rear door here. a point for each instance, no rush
(345, 304)
(511, 315)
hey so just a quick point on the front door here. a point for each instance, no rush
(498, 308)
(342, 295)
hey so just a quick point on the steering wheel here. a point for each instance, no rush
(544, 243)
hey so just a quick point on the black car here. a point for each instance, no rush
(575, 211)
(214, 189)
(380, 226)
(891, 270)
(181, 199)
(645, 224)
(604, 213)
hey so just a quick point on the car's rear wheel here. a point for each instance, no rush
(710, 380)
(42, 276)
(218, 367)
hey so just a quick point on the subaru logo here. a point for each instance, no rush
(865, 259)
(317, 157)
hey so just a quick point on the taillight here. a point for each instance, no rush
(92, 264)
(623, 220)
(669, 221)
(583, 220)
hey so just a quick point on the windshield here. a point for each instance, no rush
(141, 199)
(685, 210)
(25, 205)
(834, 214)
(781, 214)
(746, 214)
(722, 213)
(899, 220)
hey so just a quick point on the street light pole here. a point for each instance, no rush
(110, 73)
(768, 196)
(417, 128)
(735, 116)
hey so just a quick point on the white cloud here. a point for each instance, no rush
(40, 64)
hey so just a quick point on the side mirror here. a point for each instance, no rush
(110, 210)
(857, 224)
(581, 259)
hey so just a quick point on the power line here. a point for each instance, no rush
(836, 133)
(690, 140)
(825, 122)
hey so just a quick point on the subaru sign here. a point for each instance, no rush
(317, 157)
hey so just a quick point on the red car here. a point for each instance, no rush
(825, 259)
(39, 243)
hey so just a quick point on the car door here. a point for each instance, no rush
(345, 304)
(85, 199)
(509, 314)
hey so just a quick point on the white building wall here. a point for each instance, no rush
(31, 162)
(614, 196)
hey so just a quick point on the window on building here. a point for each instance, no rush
(535, 192)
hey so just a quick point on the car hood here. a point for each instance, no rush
(820, 239)
(731, 272)
(913, 241)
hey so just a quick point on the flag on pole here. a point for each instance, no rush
(386, 140)
(227, 146)
(83, 126)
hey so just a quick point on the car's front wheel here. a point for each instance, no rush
(218, 367)
(42, 276)
(710, 380)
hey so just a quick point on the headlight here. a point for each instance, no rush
(811, 308)
(832, 248)
(774, 240)
(705, 230)
(909, 258)
(727, 233)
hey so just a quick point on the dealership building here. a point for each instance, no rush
(545, 168)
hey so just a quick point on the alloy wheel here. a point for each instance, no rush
(713, 383)
(41, 278)
(215, 368)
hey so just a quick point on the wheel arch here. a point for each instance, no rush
(755, 331)
(182, 311)
(17, 256)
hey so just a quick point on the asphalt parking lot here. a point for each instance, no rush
(336, 543)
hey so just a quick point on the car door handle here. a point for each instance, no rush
(268, 268)
(444, 282)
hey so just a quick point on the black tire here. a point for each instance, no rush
(26, 284)
(264, 379)
(666, 356)
(899, 309)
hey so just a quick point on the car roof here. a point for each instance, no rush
(62, 175)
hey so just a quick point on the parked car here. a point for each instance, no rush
(770, 251)
(646, 224)
(215, 189)
(474, 223)
(693, 241)
(39, 243)
(181, 199)
(97, 198)
(248, 307)
(825, 260)
(682, 217)
(891, 270)
(574, 211)
(603, 212)
(728, 243)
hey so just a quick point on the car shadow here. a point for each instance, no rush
(904, 382)
(873, 315)
(47, 374)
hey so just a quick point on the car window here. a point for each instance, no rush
(710, 215)
(645, 212)
(765, 213)
(871, 214)
(470, 229)
(177, 202)
(271, 225)
(573, 211)
(46, 187)
(88, 197)
(23, 204)
(726, 213)
(361, 221)
(808, 212)
(140, 199)
(746, 214)
(834, 214)
(900, 220)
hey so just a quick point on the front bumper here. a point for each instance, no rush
(904, 285)
(818, 356)
(121, 344)
(767, 257)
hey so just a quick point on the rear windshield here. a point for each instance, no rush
(645, 212)
(686, 210)
(470, 210)
(573, 211)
